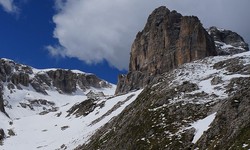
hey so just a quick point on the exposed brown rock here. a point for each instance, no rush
(194, 42)
(167, 41)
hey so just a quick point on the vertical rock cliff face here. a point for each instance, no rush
(167, 41)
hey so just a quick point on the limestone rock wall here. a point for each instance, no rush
(167, 41)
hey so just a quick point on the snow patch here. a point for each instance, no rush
(50, 130)
(201, 126)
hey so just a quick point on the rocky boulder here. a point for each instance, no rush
(227, 42)
(167, 41)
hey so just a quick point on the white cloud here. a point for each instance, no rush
(94, 30)
(8, 6)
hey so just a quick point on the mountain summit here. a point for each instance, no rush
(167, 41)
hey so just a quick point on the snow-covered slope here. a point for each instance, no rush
(54, 130)
(54, 119)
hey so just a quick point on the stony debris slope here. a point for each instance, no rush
(175, 112)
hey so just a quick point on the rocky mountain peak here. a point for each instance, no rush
(167, 41)
(227, 42)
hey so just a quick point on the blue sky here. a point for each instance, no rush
(24, 37)
(95, 36)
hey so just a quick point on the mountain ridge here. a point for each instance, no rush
(52, 114)
(25, 75)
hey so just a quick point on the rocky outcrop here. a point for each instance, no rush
(67, 81)
(167, 41)
(14, 73)
(20, 78)
(227, 42)
(83, 109)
